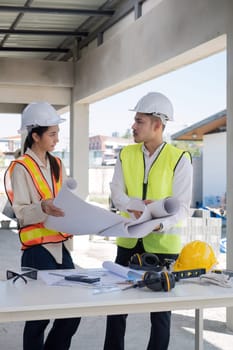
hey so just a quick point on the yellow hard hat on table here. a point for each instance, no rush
(195, 255)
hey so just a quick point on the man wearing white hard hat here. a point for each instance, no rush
(150, 170)
(31, 183)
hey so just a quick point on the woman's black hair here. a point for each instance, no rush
(39, 130)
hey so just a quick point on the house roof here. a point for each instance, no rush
(213, 124)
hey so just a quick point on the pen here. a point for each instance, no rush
(60, 275)
(135, 285)
(125, 282)
(56, 274)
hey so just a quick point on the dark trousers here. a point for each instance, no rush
(59, 337)
(116, 324)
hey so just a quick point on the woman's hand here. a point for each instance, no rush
(49, 208)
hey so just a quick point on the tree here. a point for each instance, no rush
(194, 147)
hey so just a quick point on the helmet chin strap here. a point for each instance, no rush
(31, 127)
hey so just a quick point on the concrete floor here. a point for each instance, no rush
(90, 335)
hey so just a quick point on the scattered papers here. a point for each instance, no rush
(108, 282)
(82, 218)
(57, 277)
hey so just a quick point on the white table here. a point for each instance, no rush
(36, 300)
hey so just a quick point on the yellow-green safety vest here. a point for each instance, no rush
(158, 186)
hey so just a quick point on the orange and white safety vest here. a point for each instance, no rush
(36, 234)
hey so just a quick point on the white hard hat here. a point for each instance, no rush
(156, 104)
(39, 114)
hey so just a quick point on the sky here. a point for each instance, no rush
(196, 91)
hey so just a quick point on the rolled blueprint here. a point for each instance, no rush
(83, 218)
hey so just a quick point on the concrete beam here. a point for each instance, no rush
(21, 94)
(173, 34)
(36, 72)
(11, 108)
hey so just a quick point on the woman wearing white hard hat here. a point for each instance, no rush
(31, 183)
(150, 170)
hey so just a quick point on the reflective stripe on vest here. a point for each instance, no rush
(160, 180)
(36, 234)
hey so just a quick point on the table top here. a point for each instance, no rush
(37, 300)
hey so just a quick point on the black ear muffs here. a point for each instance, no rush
(145, 261)
(159, 281)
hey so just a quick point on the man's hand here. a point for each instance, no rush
(158, 228)
(136, 213)
(148, 201)
(49, 208)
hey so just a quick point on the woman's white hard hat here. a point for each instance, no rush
(156, 104)
(39, 114)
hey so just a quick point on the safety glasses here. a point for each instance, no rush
(26, 272)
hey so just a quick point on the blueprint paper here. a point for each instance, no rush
(122, 271)
(83, 218)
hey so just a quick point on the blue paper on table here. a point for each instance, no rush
(122, 271)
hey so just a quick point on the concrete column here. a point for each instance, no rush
(230, 150)
(79, 146)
